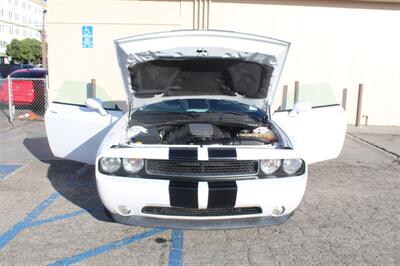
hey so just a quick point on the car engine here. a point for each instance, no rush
(204, 134)
(195, 134)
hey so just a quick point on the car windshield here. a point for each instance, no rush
(200, 106)
(197, 110)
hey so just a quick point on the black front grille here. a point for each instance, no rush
(178, 211)
(201, 168)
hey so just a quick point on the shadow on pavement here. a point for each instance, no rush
(74, 181)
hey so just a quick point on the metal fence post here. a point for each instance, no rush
(10, 102)
(284, 97)
(359, 104)
(93, 85)
(344, 99)
(296, 91)
(46, 93)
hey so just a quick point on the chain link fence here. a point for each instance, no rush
(23, 98)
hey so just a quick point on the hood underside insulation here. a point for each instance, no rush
(200, 76)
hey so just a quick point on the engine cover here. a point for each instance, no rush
(195, 134)
(201, 130)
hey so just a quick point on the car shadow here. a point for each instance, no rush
(74, 181)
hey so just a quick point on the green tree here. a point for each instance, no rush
(25, 51)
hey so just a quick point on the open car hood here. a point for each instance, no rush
(201, 64)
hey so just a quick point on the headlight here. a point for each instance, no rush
(291, 166)
(270, 166)
(132, 165)
(110, 164)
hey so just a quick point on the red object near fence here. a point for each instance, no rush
(27, 88)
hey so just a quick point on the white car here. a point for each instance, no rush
(199, 146)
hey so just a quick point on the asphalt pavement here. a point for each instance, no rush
(50, 214)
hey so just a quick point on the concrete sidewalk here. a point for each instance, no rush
(386, 138)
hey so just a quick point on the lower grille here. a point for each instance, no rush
(178, 211)
(201, 168)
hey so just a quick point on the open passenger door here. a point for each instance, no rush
(316, 132)
(75, 132)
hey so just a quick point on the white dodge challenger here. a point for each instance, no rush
(198, 146)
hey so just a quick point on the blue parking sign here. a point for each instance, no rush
(87, 36)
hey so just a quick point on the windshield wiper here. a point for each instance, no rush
(234, 115)
(192, 115)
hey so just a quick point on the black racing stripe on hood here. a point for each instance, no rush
(183, 154)
(222, 154)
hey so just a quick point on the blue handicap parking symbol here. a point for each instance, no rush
(87, 36)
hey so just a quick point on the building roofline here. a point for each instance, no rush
(363, 4)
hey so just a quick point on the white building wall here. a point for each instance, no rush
(331, 47)
(19, 19)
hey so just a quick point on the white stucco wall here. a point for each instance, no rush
(338, 47)
(331, 47)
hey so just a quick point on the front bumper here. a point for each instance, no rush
(137, 193)
(200, 224)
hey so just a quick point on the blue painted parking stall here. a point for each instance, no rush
(8, 169)
(31, 221)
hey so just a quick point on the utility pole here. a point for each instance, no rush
(44, 45)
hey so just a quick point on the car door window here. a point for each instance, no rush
(77, 91)
(317, 95)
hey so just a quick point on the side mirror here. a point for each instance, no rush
(96, 104)
(300, 107)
